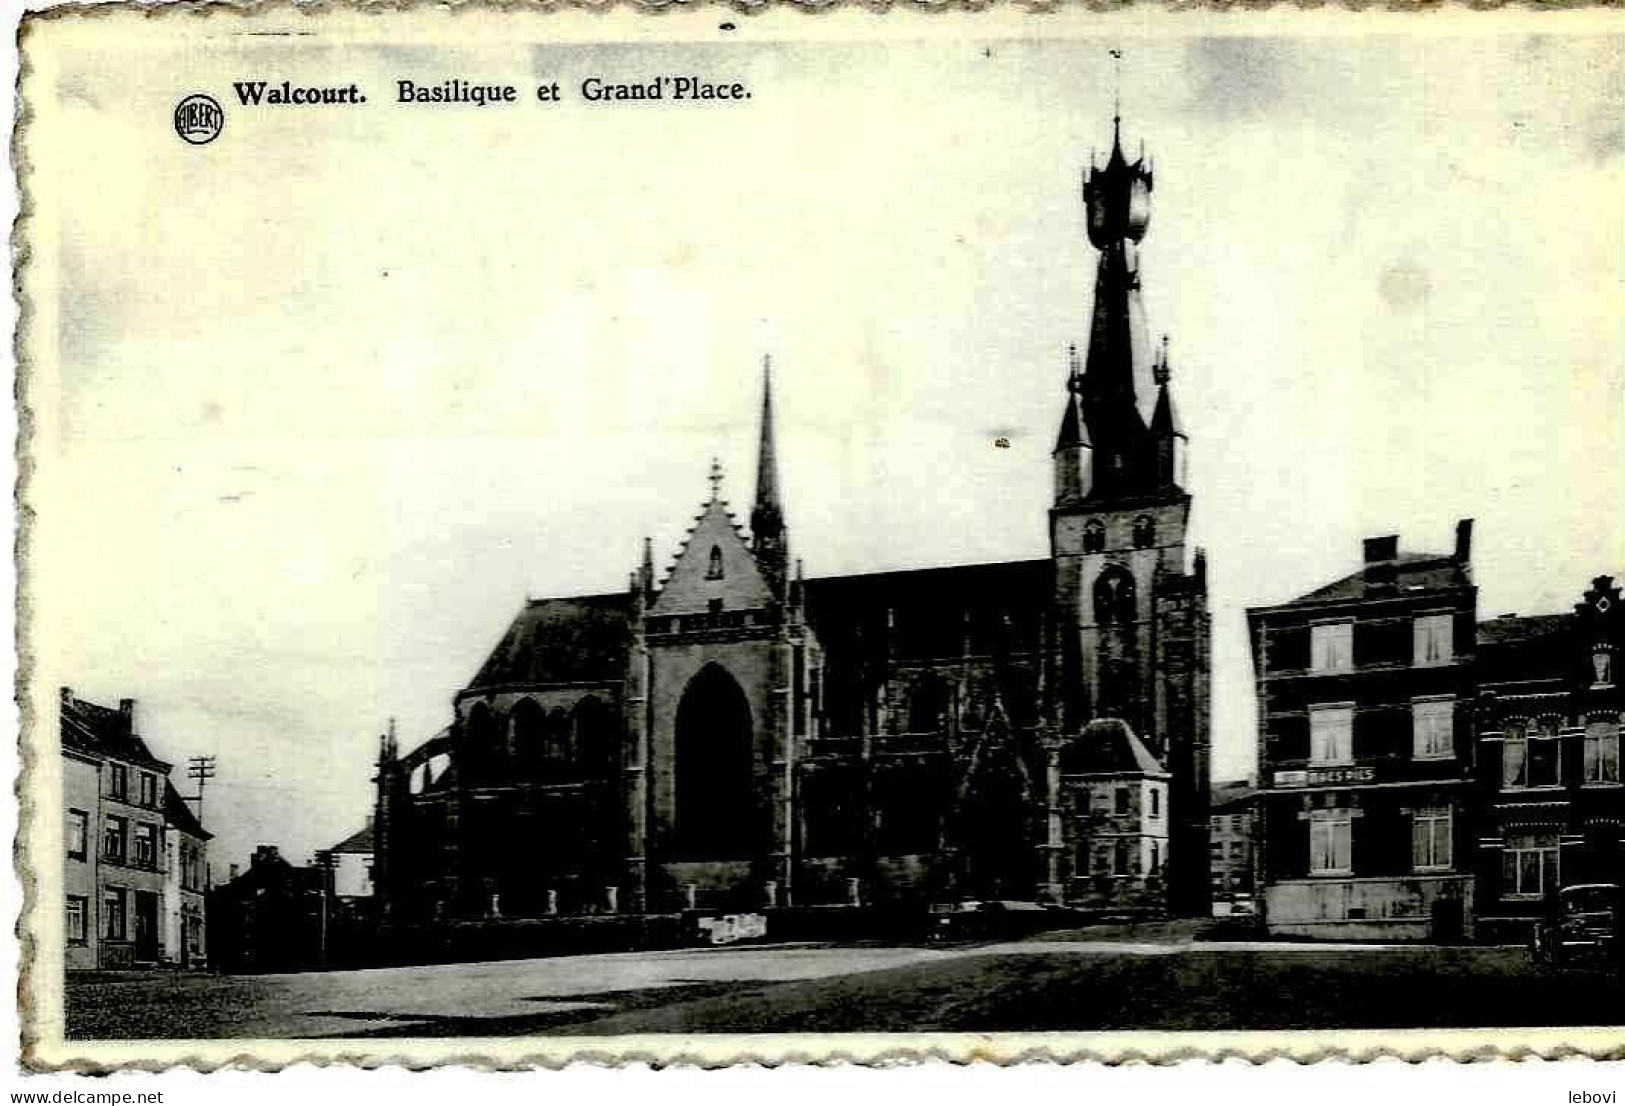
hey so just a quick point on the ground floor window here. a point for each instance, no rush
(1121, 857)
(1430, 838)
(1529, 865)
(1330, 843)
(78, 910)
(113, 923)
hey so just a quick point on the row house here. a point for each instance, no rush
(136, 859)
(1230, 837)
(1366, 749)
(1549, 716)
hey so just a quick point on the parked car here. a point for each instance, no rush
(1581, 922)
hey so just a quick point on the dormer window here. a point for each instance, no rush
(714, 570)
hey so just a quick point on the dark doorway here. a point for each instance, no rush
(146, 926)
(717, 815)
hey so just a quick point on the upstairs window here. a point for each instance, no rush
(1433, 728)
(1094, 536)
(1145, 532)
(1331, 734)
(713, 570)
(1602, 752)
(1120, 801)
(118, 781)
(1432, 636)
(78, 828)
(1331, 647)
(1156, 803)
(1430, 838)
(113, 838)
(149, 789)
(1114, 596)
(1330, 843)
(1531, 755)
(146, 845)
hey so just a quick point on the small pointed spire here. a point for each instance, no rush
(716, 478)
(767, 458)
(1162, 370)
(1074, 368)
(1117, 103)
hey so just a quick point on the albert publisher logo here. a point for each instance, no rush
(199, 119)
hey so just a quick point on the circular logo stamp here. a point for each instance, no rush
(199, 119)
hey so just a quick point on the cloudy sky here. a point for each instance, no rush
(325, 400)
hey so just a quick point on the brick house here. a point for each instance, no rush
(136, 863)
(1548, 731)
(1365, 749)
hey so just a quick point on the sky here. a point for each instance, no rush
(323, 402)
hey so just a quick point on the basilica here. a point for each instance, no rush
(734, 735)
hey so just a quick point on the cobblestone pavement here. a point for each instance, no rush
(1052, 982)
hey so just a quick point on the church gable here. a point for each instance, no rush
(715, 564)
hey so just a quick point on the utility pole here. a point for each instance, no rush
(200, 769)
(324, 862)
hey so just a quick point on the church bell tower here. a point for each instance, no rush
(1131, 614)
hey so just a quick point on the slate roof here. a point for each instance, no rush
(1406, 572)
(358, 842)
(1231, 796)
(105, 732)
(1529, 647)
(1108, 746)
(179, 815)
(585, 639)
(575, 640)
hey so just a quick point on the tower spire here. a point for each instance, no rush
(1117, 100)
(767, 528)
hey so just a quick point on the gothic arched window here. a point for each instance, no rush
(714, 571)
(525, 724)
(1145, 532)
(1094, 536)
(1114, 596)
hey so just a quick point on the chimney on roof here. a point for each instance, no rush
(1385, 548)
(67, 695)
(233, 876)
(265, 854)
(1464, 540)
(126, 712)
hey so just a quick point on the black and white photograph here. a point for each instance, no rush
(717, 527)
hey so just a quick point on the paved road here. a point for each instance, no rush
(1055, 982)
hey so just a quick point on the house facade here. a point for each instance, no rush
(730, 734)
(1365, 801)
(136, 862)
(1231, 837)
(1548, 731)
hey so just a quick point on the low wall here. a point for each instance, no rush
(1400, 908)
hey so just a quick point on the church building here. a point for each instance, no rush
(733, 735)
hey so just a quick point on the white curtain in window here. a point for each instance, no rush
(1432, 639)
(1331, 644)
(1329, 734)
(1514, 758)
(1602, 752)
